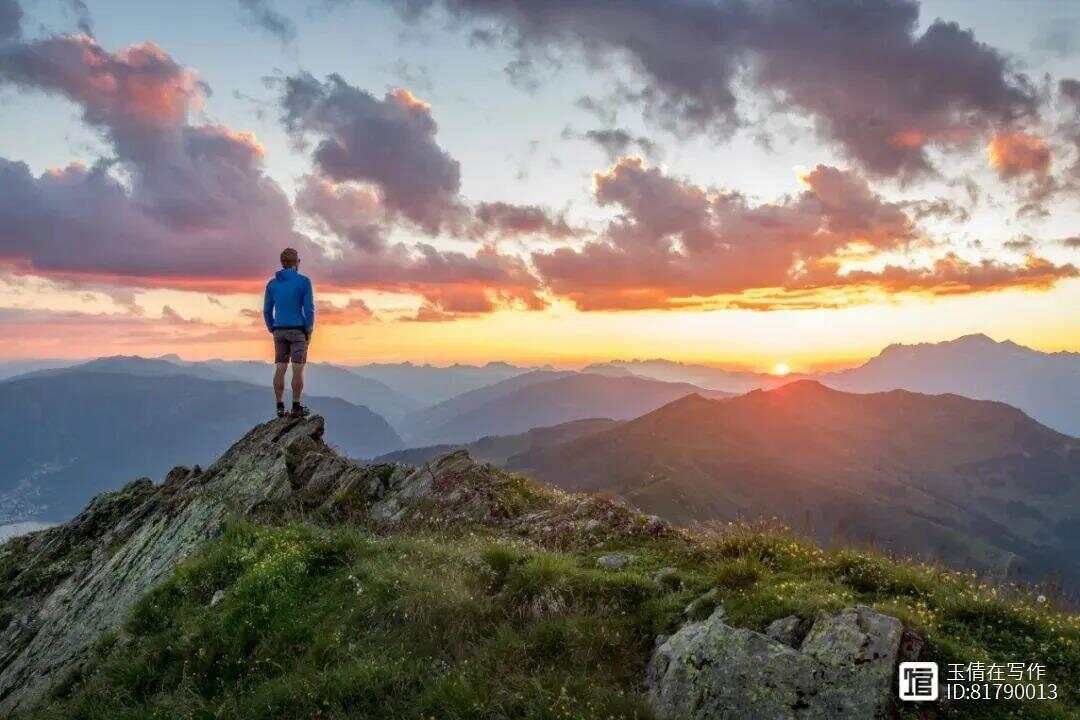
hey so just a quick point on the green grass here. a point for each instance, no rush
(452, 623)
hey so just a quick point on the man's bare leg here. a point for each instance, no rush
(279, 380)
(297, 382)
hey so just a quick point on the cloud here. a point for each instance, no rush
(1073, 241)
(444, 278)
(192, 205)
(1018, 153)
(352, 312)
(70, 333)
(378, 166)
(450, 280)
(389, 143)
(262, 14)
(676, 243)
(1022, 242)
(951, 275)
(511, 220)
(938, 208)
(351, 211)
(82, 16)
(871, 80)
(1069, 92)
(616, 142)
(11, 15)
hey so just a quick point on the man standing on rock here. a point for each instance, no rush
(289, 312)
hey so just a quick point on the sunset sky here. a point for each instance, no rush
(562, 182)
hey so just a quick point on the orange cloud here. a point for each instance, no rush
(1015, 154)
(675, 245)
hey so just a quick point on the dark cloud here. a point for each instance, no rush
(82, 16)
(871, 81)
(378, 162)
(616, 142)
(1023, 243)
(1070, 89)
(510, 220)
(1072, 242)
(1069, 130)
(263, 15)
(939, 209)
(604, 110)
(195, 206)
(11, 15)
(389, 143)
(412, 75)
(675, 243)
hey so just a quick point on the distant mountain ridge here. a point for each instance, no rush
(1044, 385)
(429, 384)
(322, 378)
(977, 483)
(68, 435)
(500, 448)
(557, 398)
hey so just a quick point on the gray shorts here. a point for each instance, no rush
(290, 344)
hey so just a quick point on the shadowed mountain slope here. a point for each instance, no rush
(979, 484)
(499, 448)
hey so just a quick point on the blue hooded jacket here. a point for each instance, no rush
(289, 302)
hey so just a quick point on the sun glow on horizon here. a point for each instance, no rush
(781, 369)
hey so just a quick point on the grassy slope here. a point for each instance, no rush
(335, 622)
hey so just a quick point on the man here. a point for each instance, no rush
(289, 312)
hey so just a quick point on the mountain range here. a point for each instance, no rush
(976, 483)
(1044, 385)
(540, 399)
(499, 449)
(67, 435)
(429, 384)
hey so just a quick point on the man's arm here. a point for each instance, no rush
(309, 308)
(268, 309)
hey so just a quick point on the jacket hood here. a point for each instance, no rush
(284, 273)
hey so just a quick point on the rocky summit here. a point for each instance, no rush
(65, 586)
(285, 580)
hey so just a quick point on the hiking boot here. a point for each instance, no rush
(281, 410)
(299, 411)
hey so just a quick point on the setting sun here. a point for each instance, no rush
(781, 369)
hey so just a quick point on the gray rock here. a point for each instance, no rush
(710, 670)
(705, 605)
(218, 597)
(615, 561)
(789, 630)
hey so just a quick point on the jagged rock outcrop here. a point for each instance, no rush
(62, 588)
(843, 668)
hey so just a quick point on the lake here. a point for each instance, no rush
(21, 528)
